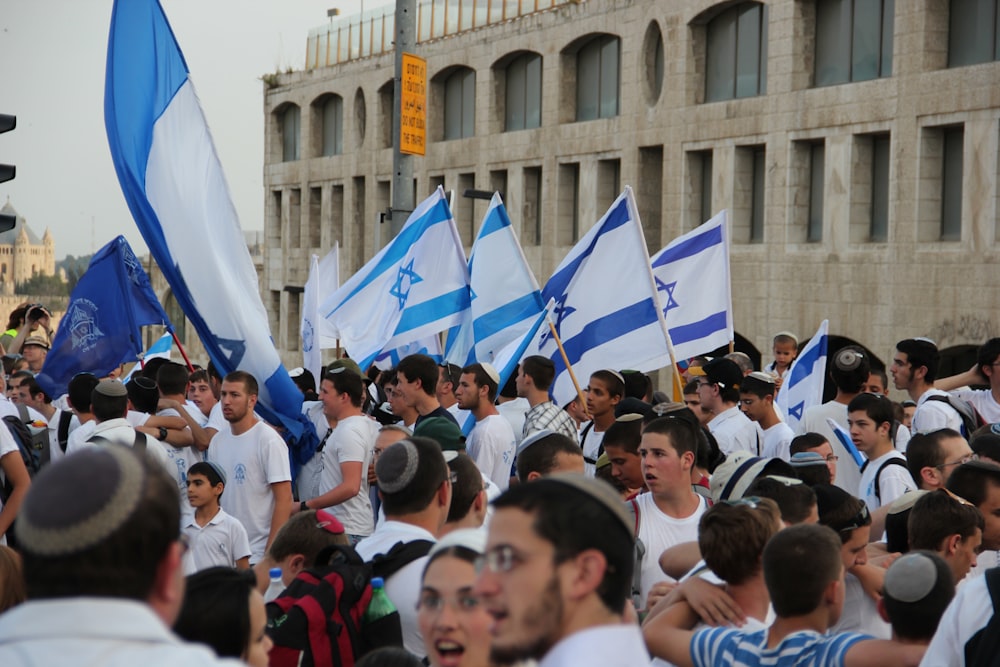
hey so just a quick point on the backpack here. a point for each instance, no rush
(317, 620)
(632, 507)
(971, 419)
(138, 443)
(62, 432)
(892, 461)
(32, 443)
(983, 648)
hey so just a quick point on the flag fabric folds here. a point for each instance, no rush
(505, 298)
(431, 346)
(158, 350)
(173, 182)
(692, 276)
(607, 312)
(416, 286)
(803, 385)
(100, 329)
(324, 278)
(845, 439)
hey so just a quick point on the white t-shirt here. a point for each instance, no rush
(513, 412)
(403, 587)
(309, 481)
(777, 441)
(253, 461)
(352, 441)
(8, 447)
(984, 403)
(658, 532)
(860, 613)
(78, 437)
(55, 451)
(735, 432)
(215, 418)
(220, 542)
(591, 444)
(814, 421)
(968, 613)
(934, 415)
(491, 444)
(459, 414)
(894, 481)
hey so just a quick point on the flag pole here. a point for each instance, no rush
(569, 368)
(183, 353)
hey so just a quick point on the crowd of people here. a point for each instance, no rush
(144, 520)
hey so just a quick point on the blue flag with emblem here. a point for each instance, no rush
(692, 275)
(175, 188)
(100, 329)
(416, 286)
(803, 385)
(505, 296)
(607, 311)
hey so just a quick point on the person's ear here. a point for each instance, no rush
(589, 568)
(295, 564)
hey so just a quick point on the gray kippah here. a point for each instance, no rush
(533, 438)
(598, 490)
(911, 577)
(111, 388)
(219, 470)
(804, 459)
(397, 466)
(80, 501)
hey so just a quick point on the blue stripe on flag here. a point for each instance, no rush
(607, 328)
(693, 246)
(507, 314)
(495, 221)
(697, 330)
(804, 367)
(420, 314)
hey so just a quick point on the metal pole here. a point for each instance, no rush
(402, 165)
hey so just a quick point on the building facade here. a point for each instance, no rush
(855, 143)
(23, 254)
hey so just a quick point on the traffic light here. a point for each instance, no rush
(7, 171)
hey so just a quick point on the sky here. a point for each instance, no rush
(52, 62)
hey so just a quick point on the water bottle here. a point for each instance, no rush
(380, 605)
(276, 587)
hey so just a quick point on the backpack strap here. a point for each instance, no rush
(65, 417)
(632, 507)
(322, 443)
(22, 412)
(982, 647)
(892, 461)
(399, 556)
(583, 440)
(138, 443)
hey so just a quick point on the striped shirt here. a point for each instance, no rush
(550, 416)
(725, 646)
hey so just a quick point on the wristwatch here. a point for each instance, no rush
(303, 507)
(163, 434)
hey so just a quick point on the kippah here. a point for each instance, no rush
(596, 489)
(630, 417)
(907, 501)
(397, 466)
(789, 334)
(491, 371)
(848, 359)
(804, 459)
(75, 504)
(113, 388)
(472, 539)
(761, 376)
(533, 438)
(910, 578)
(218, 471)
(295, 372)
(616, 374)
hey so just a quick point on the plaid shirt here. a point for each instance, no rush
(550, 416)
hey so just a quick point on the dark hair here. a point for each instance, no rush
(302, 534)
(431, 472)
(937, 516)
(143, 393)
(691, 387)
(151, 368)
(841, 511)
(216, 610)
(213, 372)
(79, 391)
(732, 536)
(482, 379)
(452, 374)
(806, 442)
(811, 475)
(794, 500)
(971, 480)
(624, 434)
(637, 384)
(457, 551)
(612, 381)
(200, 375)
(35, 389)
(683, 437)
(420, 367)
(541, 455)
(206, 470)
(172, 378)
(987, 354)
(249, 381)
(880, 372)
(877, 407)
(921, 353)
(467, 486)
(389, 656)
(12, 591)
(107, 407)
(918, 619)
(18, 314)
(540, 369)
(924, 450)
(347, 382)
(509, 389)
(573, 521)
(850, 381)
(123, 565)
(799, 563)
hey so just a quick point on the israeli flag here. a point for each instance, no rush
(415, 287)
(324, 277)
(607, 311)
(845, 439)
(431, 346)
(174, 185)
(158, 350)
(803, 386)
(692, 276)
(505, 296)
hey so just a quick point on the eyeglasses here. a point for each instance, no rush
(964, 459)
(503, 558)
(957, 498)
(435, 604)
(861, 519)
(832, 457)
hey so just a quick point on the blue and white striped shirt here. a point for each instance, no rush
(725, 646)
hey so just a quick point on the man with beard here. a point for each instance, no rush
(556, 575)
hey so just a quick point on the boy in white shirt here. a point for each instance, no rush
(214, 537)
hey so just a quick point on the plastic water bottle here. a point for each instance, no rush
(380, 604)
(276, 587)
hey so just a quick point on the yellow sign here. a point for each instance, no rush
(413, 112)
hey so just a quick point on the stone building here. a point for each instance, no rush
(855, 144)
(22, 253)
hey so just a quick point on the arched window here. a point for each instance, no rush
(290, 122)
(333, 125)
(736, 53)
(523, 99)
(460, 104)
(597, 75)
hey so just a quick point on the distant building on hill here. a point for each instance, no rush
(22, 253)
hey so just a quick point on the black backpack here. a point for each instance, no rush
(971, 419)
(34, 447)
(983, 648)
(893, 461)
(317, 620)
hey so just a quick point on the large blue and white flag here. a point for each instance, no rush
(324, 278)
(173, 182)
(430, 345)
(607, 312)
(505, 296)
(100, 329)
(803, 385)
(415, 287)
(692, 275)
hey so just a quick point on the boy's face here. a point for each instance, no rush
(599, 400)
(784, 354)
(753, 406)
(200, 491)
(865, 433)
(625, 466)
